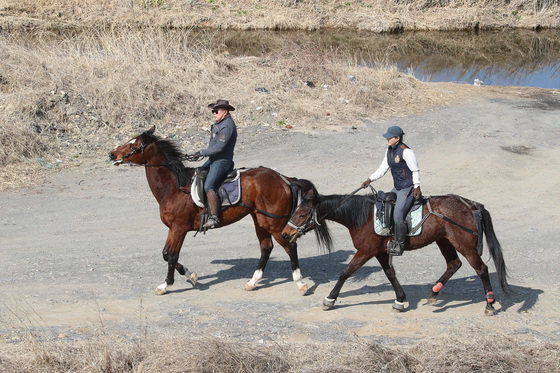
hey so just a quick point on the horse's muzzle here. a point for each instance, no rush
(288, 238)
(113, 157)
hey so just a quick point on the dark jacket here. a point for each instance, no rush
(222, 140)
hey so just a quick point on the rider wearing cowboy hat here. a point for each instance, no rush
(406, 179)
(220, 156)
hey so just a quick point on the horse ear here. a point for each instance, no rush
(309, 194)
(151, 130)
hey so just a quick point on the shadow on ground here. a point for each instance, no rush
(324, 269)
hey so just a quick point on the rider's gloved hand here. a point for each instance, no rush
(366, 183)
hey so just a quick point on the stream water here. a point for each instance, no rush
(513, 58)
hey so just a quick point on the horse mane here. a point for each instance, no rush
(174, 156)
(350, 211)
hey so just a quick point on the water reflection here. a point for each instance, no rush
(521, 58)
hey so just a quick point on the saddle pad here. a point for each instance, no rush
(229, 192)
(413, 218)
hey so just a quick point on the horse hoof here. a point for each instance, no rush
(431, 300)
(398, 306)
(193, 279)
(303, 289)
(250, 287)
(489, 312)
(328, 304)
(159, 291)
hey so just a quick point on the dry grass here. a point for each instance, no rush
(468, 353)
(80, 76)
(372, 15)
(64, 100)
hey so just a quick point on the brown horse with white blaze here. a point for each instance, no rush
(266, 195)
(450, 221)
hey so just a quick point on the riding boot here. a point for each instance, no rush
(396, 246)
(214, 205)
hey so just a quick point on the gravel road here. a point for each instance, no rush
(82, 253)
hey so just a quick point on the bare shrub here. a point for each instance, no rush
(464, 353)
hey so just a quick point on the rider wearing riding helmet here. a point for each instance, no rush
(406, 180)
(223, 136)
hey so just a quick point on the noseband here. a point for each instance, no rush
(306, 225)
(134, 151)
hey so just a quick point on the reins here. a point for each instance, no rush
(196, 158)
(344, 200)
(187, 157)
(303, 228)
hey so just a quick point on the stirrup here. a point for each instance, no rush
(212, 222)
(394, 249)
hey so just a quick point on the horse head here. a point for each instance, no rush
(133, 150)
(302, 220)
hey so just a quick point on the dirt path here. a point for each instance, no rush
(83, 253)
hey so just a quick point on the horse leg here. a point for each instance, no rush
(191, 276)
(170, 253)
(291, 250)
(356, 263)
(453, 265)
(389, 270)
(482, 271)
(266, 248)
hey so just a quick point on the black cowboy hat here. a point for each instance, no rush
(221, 104)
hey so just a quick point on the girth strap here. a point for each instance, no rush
(265, 213)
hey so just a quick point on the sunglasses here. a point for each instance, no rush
(214, 111)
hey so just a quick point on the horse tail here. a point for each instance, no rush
(495, 249)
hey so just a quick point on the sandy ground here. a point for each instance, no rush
(81, 254)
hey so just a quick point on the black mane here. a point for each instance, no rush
(350, 211)
(174, 156)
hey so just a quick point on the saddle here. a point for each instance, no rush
(229, 191)
(384, 209)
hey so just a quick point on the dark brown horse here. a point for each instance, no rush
(266, 196)
(450, 223)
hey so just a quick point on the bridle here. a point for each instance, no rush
(135, 150)
(312, 214)
(306, 225)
